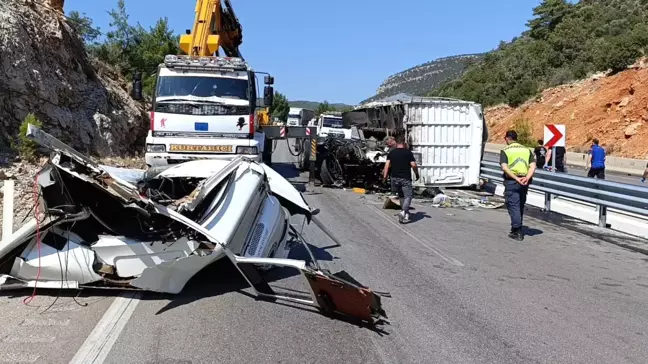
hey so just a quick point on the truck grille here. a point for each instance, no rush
(254, 241)
(202, 109)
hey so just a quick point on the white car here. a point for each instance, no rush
(153, 230)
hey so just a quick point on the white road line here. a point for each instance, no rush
(102, 338)
(427, 245)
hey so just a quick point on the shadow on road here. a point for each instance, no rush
(287, 170)
(630, 242)
(299, 186)
(418, 216)
(532, 231)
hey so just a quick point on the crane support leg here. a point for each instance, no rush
(313, 157)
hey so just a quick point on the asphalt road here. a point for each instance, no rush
(462, 292)
(579, 170)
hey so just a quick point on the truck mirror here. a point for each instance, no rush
(136, 94)
(269, 80)
(268, 95)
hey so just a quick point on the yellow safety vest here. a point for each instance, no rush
(518, 158)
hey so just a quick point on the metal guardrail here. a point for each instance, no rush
(603, 194)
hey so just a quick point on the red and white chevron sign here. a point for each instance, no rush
(307, 131)
(282, 132)
(554, 135)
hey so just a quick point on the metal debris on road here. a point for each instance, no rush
(155, 229)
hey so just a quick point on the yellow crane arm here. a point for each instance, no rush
(215, 26)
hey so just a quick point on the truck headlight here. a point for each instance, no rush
(155, 148)
(247, 150)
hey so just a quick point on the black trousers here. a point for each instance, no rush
(515, 196)
(596, 172)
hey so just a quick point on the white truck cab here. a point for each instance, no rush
(204, 108)
(331, 124)
(298, 116)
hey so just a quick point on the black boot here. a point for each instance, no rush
(516, 234)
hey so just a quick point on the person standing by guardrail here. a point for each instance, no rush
(596, 161)
(518, 164)
(540, 153)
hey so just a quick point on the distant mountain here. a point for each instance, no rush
(313, 104)
(422, 79)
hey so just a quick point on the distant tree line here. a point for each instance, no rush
(565, 41)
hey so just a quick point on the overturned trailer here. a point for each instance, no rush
(447, 137)
(102, 227)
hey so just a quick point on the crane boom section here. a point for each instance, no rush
(214, 27)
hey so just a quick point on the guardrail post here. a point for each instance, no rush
(547, 202)
(602, 215)
(8, 209)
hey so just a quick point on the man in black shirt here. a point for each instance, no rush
(540, 154)
(401, 162)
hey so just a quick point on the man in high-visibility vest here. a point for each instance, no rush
(518, 163)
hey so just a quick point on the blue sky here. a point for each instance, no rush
(337, 50)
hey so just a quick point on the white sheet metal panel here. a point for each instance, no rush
(446, 138)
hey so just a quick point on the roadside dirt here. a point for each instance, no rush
(613, 109)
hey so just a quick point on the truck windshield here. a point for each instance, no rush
(294, 116)
(202, 87)
(332, 123)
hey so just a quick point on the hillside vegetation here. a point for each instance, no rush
(564, 42)
(420, 79)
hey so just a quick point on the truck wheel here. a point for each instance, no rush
(266, 156)
(304, 158)
(325, 174)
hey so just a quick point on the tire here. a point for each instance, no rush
(325, 174)
(266, 156)
(304, 159)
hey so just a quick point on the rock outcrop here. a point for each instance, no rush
(45, 70)
(421, 79)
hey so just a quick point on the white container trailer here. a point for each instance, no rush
(446, 137)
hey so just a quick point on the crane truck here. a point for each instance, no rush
(204, 104)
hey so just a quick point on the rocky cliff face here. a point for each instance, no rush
(45, 70)
(424, 78)
(613, 109)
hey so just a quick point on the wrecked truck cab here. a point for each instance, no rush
(104, 227)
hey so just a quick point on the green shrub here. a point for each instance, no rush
(26, 147)
(525, 132)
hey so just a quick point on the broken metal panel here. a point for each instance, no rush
(290, 198)
(172, 276)
(211, 210)
(130, 257)
(331, 294)
(50, 142)
(202, 168)
(234, 216)
(268, 236)
(130, 175)
(46, 262)
(338, 295)
(8, 282)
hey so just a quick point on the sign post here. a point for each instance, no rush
(554, 136)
